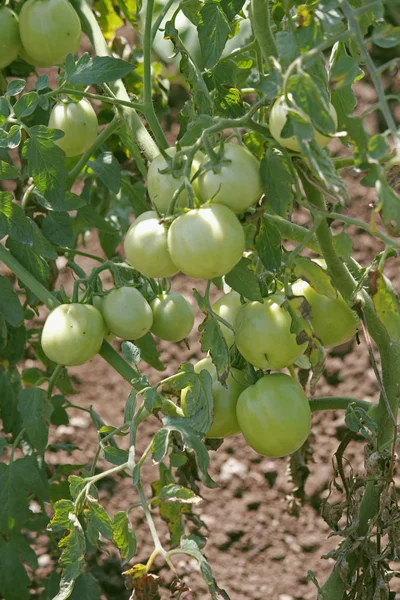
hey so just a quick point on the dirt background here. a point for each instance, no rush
(256, 549)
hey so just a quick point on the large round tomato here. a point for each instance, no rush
(206, 242)
(228, 307)
(225, 421)
(49, 29)
(274, 415)
(236, 183)
(127, 314)
(146, 246)
(173, 317)
(332, 319)
(277, 122)
(79, 123)
(262, 334)
(162, 186)
(10, 42)
(73, 334)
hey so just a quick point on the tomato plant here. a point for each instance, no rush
(72, 334)
(236, 183)
(9, 37)
(190, 139)
(173, 317)
(78, 122)
(146, 246)
(225, 422)
(50, 29)
(263, 335)
(274, 415)
(206, 242)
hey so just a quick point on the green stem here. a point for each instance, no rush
(105, 99)
(53, 380)
(136, 133)
(147, 83)
(260, 21)
(160, 18)
(79, 252)
(16, 442)
(99, 141)
(157, 544)
(337, 403)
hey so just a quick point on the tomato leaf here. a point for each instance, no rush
(123, 535)
(10, 305)
(213, 29)
(57, 228)
(389, 207)
(8, 171)
(213, 341)
(149, 352)
(14, 581)
(316, 276)
(99, 69)
(86, 588)
(268, 245)
(108, 170)
(72, 557)
(244, 281)
(98, 518)
(35, 410)
(13, 221)
(173, 492)
(387, 304)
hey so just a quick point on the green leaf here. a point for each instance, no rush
(86, 588)
(131, 353)
(309, 99)
(316, 276)
(14, 581)
(14, 349)
(389, 207)
(191, 441)
(30, 260)
(10, 305)
(287, 46)
(123, 535)
(8, 171)
(213, 341)
(149, 352)
(26, 105)
(91, 218)
(199, 398)
(57, 228)
(130, 406)
(35, 410)
(176, 493)
(107, 168)
(62, 510)
(99, 519)
(100, 69)
(69, 202)
(387, 304)
(195, 129)
(344, 72)
(116, 456)
(72, 557)
(343, 245)
(268, 245)
(14, 137)
(213, 30)
(152, 399)
(15, 87)
(244, 281)
(190, 545)
(41, 83)
(13, 221)
(277, 183)
(10, 386)
(46, 165)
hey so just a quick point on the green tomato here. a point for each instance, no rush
(274, 415)
(127, 314)
(237, 183)
(146, 246)
(79, 123)
(73, 334)
(10, 42)
(173, 317)
(225, 421)
(206, 242)
(277, 122)
(332, 319)
(98, 303)
(162, 186)
(49, 29)
(228, 307)
(263, 336)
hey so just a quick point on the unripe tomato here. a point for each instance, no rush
(277, 122)
(49, 29)
(225, 421)
(332, 319)
(127, 314)
(162, 186)
(274, 415)
(173, 317)
(146, 246)
(79, 123)
(206, 242)
(10, 41)
(228, 307)
(73, 334)
(237, 184)
(262, 334)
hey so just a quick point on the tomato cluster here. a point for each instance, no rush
(205, 240)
